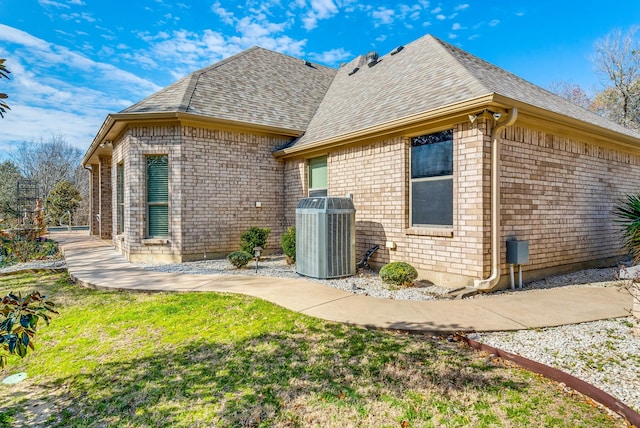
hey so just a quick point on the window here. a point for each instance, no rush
(120, 196)
(431, 190)
(157, 196)
(318, 176)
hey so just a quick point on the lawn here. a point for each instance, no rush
(188, 360)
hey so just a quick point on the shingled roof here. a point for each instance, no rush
(256, 86)
(428, 74)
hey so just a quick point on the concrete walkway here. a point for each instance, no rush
(94, 263)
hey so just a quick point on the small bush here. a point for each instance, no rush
(400, 274)
(254, 237)
(288, 242)
(20, 250)
(239, 258)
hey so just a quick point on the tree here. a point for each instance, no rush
(62, 202)
(617, 58)
(572, 92)
(48, 162)
(3, 73)
(9, 175)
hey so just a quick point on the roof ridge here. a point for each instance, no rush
(195, 76)
(445, 47)
(191, 88)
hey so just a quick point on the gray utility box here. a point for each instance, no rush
(517, 252)
(326, 237)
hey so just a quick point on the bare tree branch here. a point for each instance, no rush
(617, 59)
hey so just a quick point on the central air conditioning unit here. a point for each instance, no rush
(326, 237)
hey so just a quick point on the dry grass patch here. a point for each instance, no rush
(196, 360)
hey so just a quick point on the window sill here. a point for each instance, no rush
(155, 241)
(442, 232)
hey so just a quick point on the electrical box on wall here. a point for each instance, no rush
(517, 252)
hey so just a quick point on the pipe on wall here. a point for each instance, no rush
(490, 283)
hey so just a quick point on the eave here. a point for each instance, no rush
(116, 124)
(449, 115)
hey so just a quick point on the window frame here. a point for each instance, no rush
(431, 178)
(149, 204)
(317, 191)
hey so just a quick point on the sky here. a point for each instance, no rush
(72, 62)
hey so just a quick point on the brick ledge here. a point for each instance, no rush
(430, 231)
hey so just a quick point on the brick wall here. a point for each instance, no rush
(558, 193)
(224, 175)
(376, 174)
(295, 188)
(105, 196)
(216, 178)
(132, 149)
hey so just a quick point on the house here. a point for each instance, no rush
(445, 155)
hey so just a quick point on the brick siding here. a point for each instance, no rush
(215, 179)
(556, 192)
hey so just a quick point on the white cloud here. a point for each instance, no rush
(53, 3)
(57, 90)
(224, 15)
(77, 17)
(320, 9)
(494, 22)
(441, 17)
(383, 16)
(412, 12)
(28, 123)
(456, 26)
(333, 56)
(462, 7)
(61, 4)
(436, 10)
(453, 36)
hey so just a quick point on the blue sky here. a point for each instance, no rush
(75, 61)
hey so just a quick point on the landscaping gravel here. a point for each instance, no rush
(34, 265)
(366, 282)
(602, 353)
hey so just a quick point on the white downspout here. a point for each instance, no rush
(489, 283)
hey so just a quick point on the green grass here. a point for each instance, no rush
(189, 360)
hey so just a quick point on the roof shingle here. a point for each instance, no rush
(256, 86)
(426, 75)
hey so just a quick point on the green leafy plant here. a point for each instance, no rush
(627, 216)
(19, 318)
(288, 242)
(62, 203)
(239, 258)
(19, 249)
(399, 274)
(254, 237)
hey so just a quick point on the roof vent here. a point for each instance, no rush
(372, 58)
(397, 50)
(354, 71)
